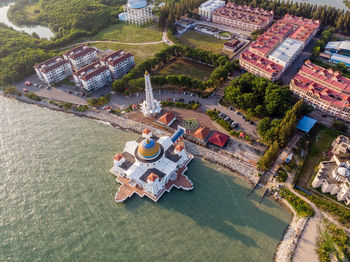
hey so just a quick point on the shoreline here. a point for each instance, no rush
(234, 166)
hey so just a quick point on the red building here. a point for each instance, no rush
(219, 139)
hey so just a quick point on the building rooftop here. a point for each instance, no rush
(202, 133)
(78, 51)
(296, 20)
(166, 118)
(211, 5)
(232, 44)
(244, 13)
(51, 64)
(219, 139)
(286, 50)
(112, 56)
(306, 124)
(341, 59)
(119, 59)
(303, 33)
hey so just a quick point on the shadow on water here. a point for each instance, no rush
(219, 202)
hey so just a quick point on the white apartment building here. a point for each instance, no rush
(119, 63)
(53, 70)
(287, 52)
(93, 76)
(207, 8)
(81, 56)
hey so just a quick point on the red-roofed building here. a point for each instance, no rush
(260, 66)
(167, 119)
(118, 157)
(53, 70)
(325, 89)
(119, 63)
(152, 177)
(232, 45)
(219, 139)
(93, 76)
(81, 56)
(202, 133)
(243, 17)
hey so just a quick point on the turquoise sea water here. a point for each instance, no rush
(57, 200)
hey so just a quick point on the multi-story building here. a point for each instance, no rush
(119, 63)
(280, 44)
(325, 89)
(334, 176)
(53, 70)
(339, 52)
(93, 76)
(81, 56)
(207, 8)
(242, 16)
(260, 66)
(138, 12)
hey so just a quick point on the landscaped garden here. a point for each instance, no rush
(190, 123)
(203, 41)
(188, 68)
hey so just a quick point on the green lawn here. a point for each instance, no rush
(320, 141)
(29, 10)
(141, 52)
(183, 67)
(202, 41)
(128, 34)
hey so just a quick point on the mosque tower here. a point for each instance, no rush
(150, 106)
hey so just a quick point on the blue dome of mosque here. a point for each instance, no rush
(148, 149)
(137, 3)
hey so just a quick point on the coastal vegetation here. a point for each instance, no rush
(302, 208)
(99, 101)
(32, 96)
(278, 133)
(11, 90)
(333, 243)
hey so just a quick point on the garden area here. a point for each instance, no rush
(302, 208)
(203, 41)
(186, 67)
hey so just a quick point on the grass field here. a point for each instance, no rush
(183, 67)
(141, 52)
(128, 34)
(29, 10)
(202, 41)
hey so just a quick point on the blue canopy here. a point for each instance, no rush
(306, 123)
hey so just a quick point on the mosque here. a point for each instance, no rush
(151, 166)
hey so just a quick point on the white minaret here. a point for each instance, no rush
(150, 106)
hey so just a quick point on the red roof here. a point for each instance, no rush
(120, 59)
(152, 177)
(146, 131)
(179, 147)
(78, 51)
(219, 139)
(232, 44)
(118, 157)
(112, 56)
(166, 118)
(202, 133)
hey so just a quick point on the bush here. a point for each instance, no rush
(12, 90)
(32, 96)
(302, 208)
(81, 108)
(281, 175)
(340, 125)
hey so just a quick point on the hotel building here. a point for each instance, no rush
(242, 17)
(325, 89)
(53, 70)
(119, 63)
(138, 12)
(334, 176)
(278, 47)
(81, 56)
(207, 8)
(93, 76)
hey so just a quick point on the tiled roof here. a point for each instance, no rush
(219, 139)
(232, 43)
(79, 51)
(202, 133)
(146, 131)
(87, 69)
(166, 118)
(303, 33)
(261, 62)
(120, 59)
(94, 73)
(118, 157)
(112, 56)
(179, 147)
(290, 19)
(152, 177)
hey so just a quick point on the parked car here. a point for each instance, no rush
(35, 85)
(25, 90)
(231, 108)
(227, 118)
(234, 124)
(28, 83)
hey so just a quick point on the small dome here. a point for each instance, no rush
(343, 171)
(148, 149)
(137, 3)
